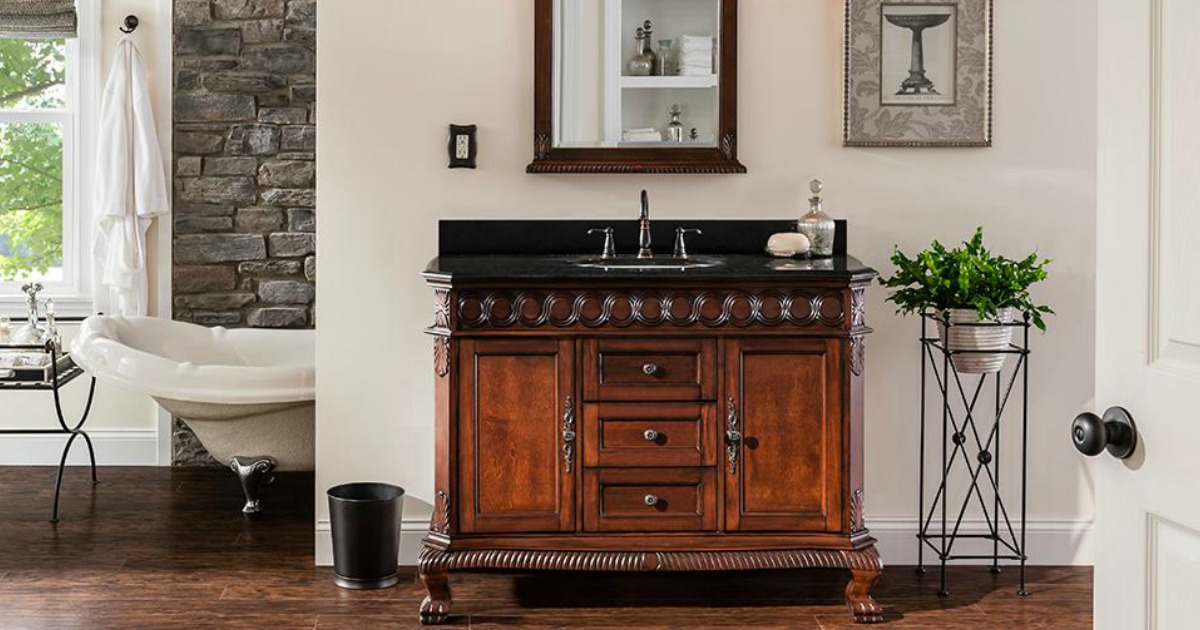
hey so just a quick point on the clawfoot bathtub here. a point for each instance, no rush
(247, 394)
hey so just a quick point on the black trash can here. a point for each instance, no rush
(365, 519)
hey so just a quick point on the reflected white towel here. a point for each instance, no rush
(641, 135)
(131, 186)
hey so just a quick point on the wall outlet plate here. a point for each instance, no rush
(464, 146)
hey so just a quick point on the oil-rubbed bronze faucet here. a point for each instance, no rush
(644, 250)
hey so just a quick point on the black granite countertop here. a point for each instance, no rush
(497, 250)
(557, 267)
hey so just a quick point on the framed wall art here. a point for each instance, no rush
(918, 73)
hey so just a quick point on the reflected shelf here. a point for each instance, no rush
(678, 82)
(687, 144)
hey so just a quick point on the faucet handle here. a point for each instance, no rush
(680, 245)
(610, 248)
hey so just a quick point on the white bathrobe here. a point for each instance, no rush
(131, 186)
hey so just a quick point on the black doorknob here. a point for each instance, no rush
(1115, 432)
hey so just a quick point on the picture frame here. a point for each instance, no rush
(918, 73)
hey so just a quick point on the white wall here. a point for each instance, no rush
(123, 424)
(384, 105)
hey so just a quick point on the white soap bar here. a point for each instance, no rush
(788, 244)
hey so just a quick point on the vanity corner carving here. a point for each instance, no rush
(858, 329)
(441, 331)
(857, 520)
(440, 521)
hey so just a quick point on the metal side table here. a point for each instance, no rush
(62, 371)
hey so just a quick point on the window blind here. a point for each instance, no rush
(37, 19)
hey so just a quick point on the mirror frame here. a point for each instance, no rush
(547, 158)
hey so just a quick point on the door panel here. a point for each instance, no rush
(513, 476)
(1148, 306)
(787, 398)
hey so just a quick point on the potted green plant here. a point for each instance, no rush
(969, 285)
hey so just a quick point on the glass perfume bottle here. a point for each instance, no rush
(31, 333)
(642, 63)
(675, 127)
(816, 225)
(648, 34)
(666, 58)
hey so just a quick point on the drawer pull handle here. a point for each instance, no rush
(651, 500)
(651, 435)
(650, 369)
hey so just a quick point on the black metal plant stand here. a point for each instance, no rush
(58, 379)
(962, 419)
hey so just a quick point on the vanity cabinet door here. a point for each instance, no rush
(783, 434)
(518, 419)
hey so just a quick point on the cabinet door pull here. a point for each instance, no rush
(733, 436)
(568, 433)
(650, 435)
(649, 369)
(651, 500)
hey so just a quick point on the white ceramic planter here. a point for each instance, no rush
(967, 337)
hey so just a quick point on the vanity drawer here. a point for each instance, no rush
(650, 499)
(650, 369)
(649, 434)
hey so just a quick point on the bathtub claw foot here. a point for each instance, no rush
(254, 472)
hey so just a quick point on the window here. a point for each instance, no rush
(43, 235)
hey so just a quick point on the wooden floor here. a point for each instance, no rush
(161, 548)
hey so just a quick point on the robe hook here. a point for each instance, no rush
(131, 24)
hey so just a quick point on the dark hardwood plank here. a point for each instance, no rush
(162, 548)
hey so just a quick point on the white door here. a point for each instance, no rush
(1148, 317)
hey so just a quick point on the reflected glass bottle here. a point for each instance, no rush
(675, 127)
(666, 58)
(816, 225)
(642, 63)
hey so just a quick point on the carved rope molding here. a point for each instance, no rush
(434, 560)
(544, 165)
(591, 309)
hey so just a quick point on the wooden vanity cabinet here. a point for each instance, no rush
(643, 428)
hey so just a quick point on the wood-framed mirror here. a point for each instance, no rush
(603, 105)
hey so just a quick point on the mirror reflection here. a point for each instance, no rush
(636, 73)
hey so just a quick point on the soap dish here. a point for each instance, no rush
(787, 245)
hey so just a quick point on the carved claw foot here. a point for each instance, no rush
(254, 473)
(435, 609)
(858, 597)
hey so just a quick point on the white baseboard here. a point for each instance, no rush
(113, 448)
(1047, 542)
(411, 533)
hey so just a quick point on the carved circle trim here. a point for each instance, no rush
(592, 309)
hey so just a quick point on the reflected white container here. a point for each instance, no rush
(243, 392)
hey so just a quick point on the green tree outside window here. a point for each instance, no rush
(32, 76)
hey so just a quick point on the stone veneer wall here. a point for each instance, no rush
(244, 169)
